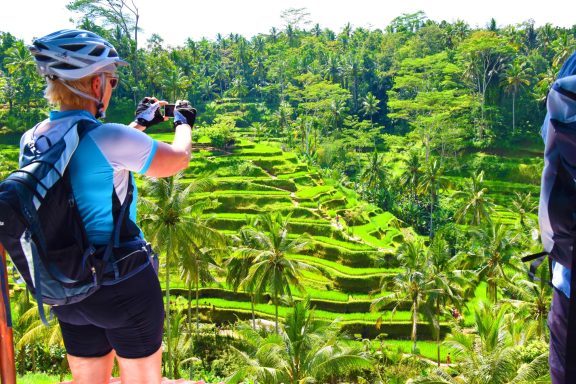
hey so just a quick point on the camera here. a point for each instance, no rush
(169, 110)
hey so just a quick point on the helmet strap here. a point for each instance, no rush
(99, 104)
(100, 114)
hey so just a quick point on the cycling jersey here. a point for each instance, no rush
(100, 168)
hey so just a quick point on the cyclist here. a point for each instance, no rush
(123, 320)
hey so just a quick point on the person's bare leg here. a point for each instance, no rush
(145, 370)
(91, 370)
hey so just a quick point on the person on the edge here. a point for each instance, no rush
(122, 320)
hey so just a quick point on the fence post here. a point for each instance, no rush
(7, 365)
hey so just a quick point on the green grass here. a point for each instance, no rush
(268, 309)
(351, 245)
(41, 378)
(313, 192)
(343, 269)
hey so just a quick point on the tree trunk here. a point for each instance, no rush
(253, 312)
(197, 305)
(276, 305)
(190, 306)
(414, 324)
(168, 339)
(438, 331)
(513, 114)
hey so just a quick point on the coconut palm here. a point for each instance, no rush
(531, 300)
(167, 223)
(272, 270)
(177, 83)
(523, 205)
(180, 338)
(414, 285)
(475, 206)
(306, 351)
(447, 280)
(239, 263)
(430, 183)
(370, 106)
(375, 173)
(338, 110)
(488, 355)
(493, 255)
(516, 77)
(199, 259)
(412, 174)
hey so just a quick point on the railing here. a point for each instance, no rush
(7, 366)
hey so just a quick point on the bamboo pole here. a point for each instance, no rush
(7, 365)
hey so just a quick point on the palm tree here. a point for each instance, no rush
(177, 83)
(370, 106)
(375, 173)
(523, 205)
(180, 337)
(487, 355)
(272, 270)
(474, 203)
(494, 253)
(198, 260)
(337, 112)
(306, 351)
(414, 285)
(430, 183)
(446, 279)
(412, 173)
(168, 225)
(333, 68)
(531, 300)
(515, 78)
(239, 263)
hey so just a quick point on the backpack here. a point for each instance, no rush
(557, 210)
(42, 230)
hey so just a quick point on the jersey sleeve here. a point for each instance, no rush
(125, 147)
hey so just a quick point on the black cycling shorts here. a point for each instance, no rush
(127, 317)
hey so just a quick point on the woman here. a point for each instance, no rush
(123, 319)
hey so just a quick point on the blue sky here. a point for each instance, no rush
(174, 20)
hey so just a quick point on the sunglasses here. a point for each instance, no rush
(113, 82)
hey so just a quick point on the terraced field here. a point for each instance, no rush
(253, 178)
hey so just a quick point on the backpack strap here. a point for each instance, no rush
(537, 260)
(83, 127)
(569, 366)
(115, 238)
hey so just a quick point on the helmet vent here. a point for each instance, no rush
(64, 66)
(74, 47)
(40, 45)
(97, 51)
(43, 58)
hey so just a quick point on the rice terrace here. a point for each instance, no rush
(356, 205)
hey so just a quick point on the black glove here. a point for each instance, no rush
(148, 112)
(184, 113)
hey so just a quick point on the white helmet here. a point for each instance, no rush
(72, 54)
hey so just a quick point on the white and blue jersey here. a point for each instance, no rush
(100, 167)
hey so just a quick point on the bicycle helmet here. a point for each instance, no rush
(71, 54)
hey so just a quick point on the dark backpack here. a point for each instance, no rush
(41, 227)
(557, 212)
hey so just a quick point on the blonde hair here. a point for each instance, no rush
(57, 94)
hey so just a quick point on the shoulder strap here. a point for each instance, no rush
(537, 259)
